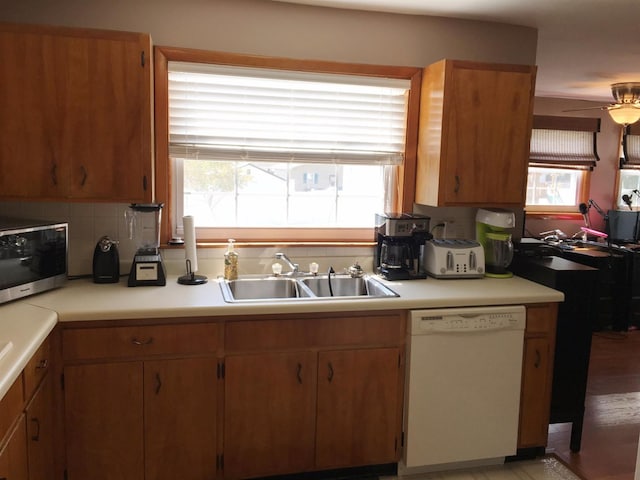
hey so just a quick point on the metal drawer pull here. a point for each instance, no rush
(54, 176)
(148, 341)
(158, 383)
(299, 373)
(42, 364)
(36, 437)
(84, 175)
(330, 377)
(536, 363)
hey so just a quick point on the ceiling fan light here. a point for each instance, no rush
(625, 114)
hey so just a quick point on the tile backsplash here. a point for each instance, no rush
(90, 221)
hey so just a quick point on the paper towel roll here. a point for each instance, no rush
(190, 241)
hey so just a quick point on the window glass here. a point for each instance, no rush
(244, 194)
(628, 184)
(554, 189)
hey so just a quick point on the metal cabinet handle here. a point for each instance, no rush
(456, 189)
(36, 437)
(42, 364)
(330, 376)
(84, 175)
(148, 341)
(299, 373)
(158, 383)
(54, 176)
(536, 363)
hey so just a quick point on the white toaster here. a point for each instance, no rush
(454, 258)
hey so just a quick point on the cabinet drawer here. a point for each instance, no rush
(541, 318)
(388, 329)
(36, 369)
(117, 342)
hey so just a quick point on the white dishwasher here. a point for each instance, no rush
(462, 398)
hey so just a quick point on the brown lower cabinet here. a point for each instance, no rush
(13, 457)
(40, 432)
(133, 420)
(26, 422)
(135, 416)
(537, 375)
(282, 394)
(312, 394)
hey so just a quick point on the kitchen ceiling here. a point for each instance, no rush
(583, 45)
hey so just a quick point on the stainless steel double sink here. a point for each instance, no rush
(312, 287)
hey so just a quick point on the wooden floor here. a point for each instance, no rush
(612, 419)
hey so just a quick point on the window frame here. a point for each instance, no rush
(562, 210)
(405, 184)
(585, 165)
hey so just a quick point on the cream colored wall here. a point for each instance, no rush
(260, 27)
(603, 177)
(264, 27)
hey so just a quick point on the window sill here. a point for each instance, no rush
(554, 215)
(206, 244)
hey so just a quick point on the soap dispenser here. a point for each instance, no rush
(230, 262)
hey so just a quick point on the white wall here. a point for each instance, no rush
(263, 27)
(260, 27)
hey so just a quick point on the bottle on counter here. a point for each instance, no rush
(230, 262)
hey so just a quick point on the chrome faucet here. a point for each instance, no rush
(295, 268)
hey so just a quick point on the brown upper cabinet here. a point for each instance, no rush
(76, 114)
(474, 133)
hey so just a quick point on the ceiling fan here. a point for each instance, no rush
(626, 109)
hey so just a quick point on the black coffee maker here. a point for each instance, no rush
(400, 239)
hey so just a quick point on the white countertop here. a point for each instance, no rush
(27, 322)
(84, 300)
(26, 327)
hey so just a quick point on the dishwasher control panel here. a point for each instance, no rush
(467, 319)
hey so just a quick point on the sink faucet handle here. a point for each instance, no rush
(356, 271)
(313, 268)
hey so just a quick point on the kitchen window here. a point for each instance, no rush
(285, 150)
(563, 153)
(629, 173)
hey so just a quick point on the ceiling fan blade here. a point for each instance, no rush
(603, 107)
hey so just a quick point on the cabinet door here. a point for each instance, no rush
(13, 458)
(106, 136)
(180, 419)
(40, 433)
(76, 114)
(104, 421)
(358, 407)
(488, 129)
(269, 413)
(534, 402)
(29, 144)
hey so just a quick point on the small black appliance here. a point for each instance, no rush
(106, 261)
(400, 240)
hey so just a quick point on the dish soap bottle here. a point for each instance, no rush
(230, 262)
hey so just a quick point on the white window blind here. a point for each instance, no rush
(631, 147)
(254, 114)
(564, 141)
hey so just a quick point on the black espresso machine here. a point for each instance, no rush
(399, 252)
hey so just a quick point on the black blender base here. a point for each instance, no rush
(147, 271)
